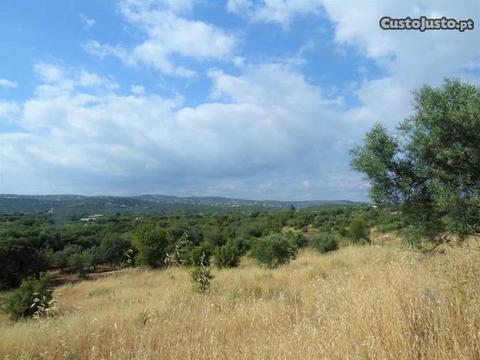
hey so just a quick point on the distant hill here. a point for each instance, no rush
(65, 205)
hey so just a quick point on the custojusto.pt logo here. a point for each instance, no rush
(423, 24)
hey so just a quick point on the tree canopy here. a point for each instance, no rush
(430, 169)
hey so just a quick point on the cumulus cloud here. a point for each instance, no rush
(265, 130)
(56, 80)
(265, 123)
(409, 59)
(168, 37)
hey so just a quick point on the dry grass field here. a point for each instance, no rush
(376, 302)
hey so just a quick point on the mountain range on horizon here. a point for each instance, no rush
(71, 204)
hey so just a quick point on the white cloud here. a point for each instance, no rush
(168, 37)
(266, 123)
(409, 59)
(274, 11)
(57, 81)
(137, 90)
(8, 110)
(8, 84)
(86, 21)
(266, 131)
(49, 72)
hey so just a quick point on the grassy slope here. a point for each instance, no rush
(373, 302)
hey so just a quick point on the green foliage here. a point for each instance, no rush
(94, 256)
(251, 231)
(33, 243)
(226, 256)
(389, 221)
(324, 243)
(297, 238)
(201, 278)
(217, 238)
(73, 259)
(79, 262)
(182, 249)
(273, 250)
(242, 245)
(32, 297)
(358, 231)
(150, 241)
(19, 258)
(113, 248)
(430, 172)
(199, 255)
(57, 260)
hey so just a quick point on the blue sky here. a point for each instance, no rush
(238, 98)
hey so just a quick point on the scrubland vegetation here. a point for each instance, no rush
(31, 244)
(383, 302)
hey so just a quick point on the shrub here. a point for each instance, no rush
(324, 243)
(61, 259)
(252, 231)
(242, 245)
(273, 250)
(358, 231)
(94, 256)
(19, 258)
(216, 238)
(150, 242)
(34, 296)
(182, 248)
(79, 263)
(113, 248)
(201, 278)
(297, 238)
(199, 255)
(226, 256)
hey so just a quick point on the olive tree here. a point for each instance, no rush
(429, 170)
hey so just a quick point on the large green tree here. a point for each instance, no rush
(113, 248)
(430, 169)
(150, 241)
(19, 258)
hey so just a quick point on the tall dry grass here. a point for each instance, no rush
(357, 303)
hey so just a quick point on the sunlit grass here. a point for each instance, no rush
(372, 302)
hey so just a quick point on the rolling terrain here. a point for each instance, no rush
(375, 302)
(68, 205)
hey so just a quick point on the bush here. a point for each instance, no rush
(79, 263)
(113, 248)
(199, 255)
(201, 278)
(61, 259)
(19, 258)
(181, 250)
(273, 250)
(226, 256)
(297, 238)
(358, 231)
(216, 238)
(324, 243)
(34, 296)
(150, 242)
(242, 245)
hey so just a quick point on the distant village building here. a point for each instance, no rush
(91, 217)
